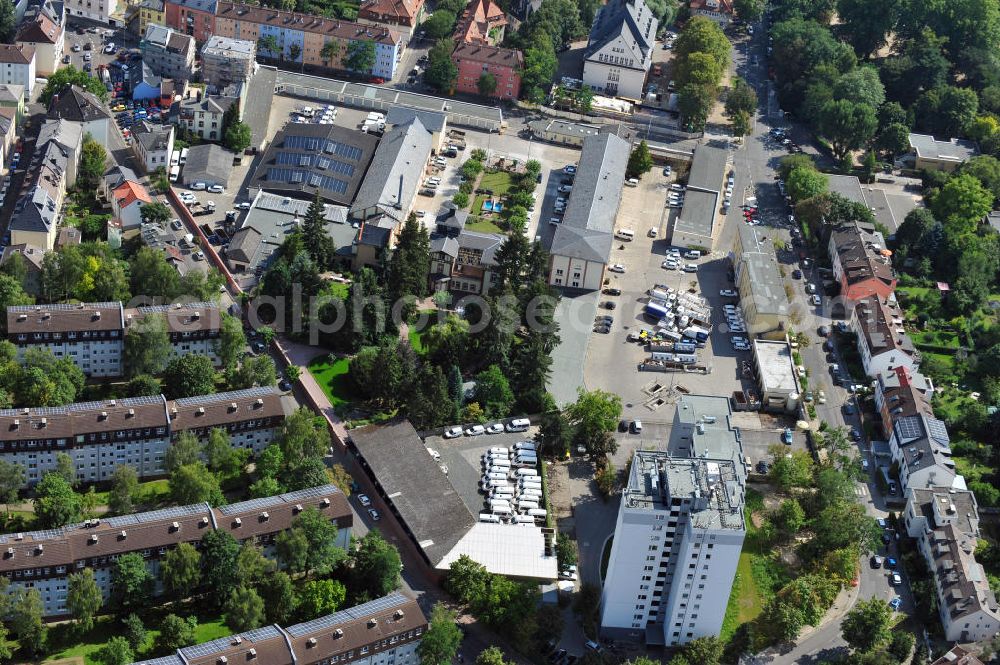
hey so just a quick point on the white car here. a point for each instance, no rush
(741, 347)
(216, 189)
(198, 187)
(187, 197)
(495, 428)
(690, 267)
(110, 48)
(728, 293)
(453, 432)
(617, 267)
(77, 48)
(475, 430)
(816, 300)
(364, 500)
(669, 265)
(374, 515)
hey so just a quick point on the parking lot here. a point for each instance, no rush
(463, 458)
(612, 361)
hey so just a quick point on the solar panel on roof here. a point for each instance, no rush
(315, 180)
(295, 177)
(938, 431)
(65, 307)
(158, 515)
(260, 391)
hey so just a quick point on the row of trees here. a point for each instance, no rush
(701, 59)
(38, 379)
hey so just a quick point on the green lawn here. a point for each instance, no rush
(417, 336)
(64, 644)
(482, 224)
(498, 183)
(152, 493)
(745, 601)
(333, 378)
(938, 338)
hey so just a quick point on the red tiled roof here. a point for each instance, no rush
(16, 54)
(477, 20)
(399, 11)
(306, 23)
(494, 55)
(129, 192)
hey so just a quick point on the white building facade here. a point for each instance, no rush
(677, 543)
(620, 51)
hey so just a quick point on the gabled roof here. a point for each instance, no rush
(39, 30)
(395, 172)
(333, 28)
(398, 11)
(129, 192)
(32, 255)
(11, 93)
(479, 17)
(16, 54)
(862, 254)
(153, 137)
(629, 19)
(490, 55)
(75, 104)
(208, 6)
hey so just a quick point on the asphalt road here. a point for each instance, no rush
(755, 163)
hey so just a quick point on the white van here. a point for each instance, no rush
(527, 505)
(537, 513)
(531, 495)
(487, 517)
(524, 519)
(497, 451)
(518, 425)
(184, 156)
(500, 464)
(499, 503)
(525, 463)
(175, 173)
(632, 182)
(495, 475)
(526, 456)
(525, 445)
(175, 158)
(525, 473)
(529, 485)
(625, 234)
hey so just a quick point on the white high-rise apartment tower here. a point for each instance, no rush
(679, 533)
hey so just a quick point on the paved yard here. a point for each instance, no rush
(463, 457)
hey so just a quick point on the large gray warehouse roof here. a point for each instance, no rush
(208, 163)
(702, 199)
(428, 506)
(589, 222)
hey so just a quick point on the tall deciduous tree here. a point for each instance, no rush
(409, 266)
(360, 56)
(847, 125)
(868, 625)
(180, 570)
(131, 583)
(117, 651)
(320, 597)
(147, 345)
(441, 639)
(194, 483)
(245, 610)
(176, 633)
(93, 157)
(124, 490)
(189, 375)
(441, 72)
(640, 161)
(56, 504)
(219, 551)
(83, 599)
(238, 137)
(376, 566)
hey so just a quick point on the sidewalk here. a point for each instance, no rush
(300, 355)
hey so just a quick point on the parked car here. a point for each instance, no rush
(895, 579)
(453, 432)
(374, 514)
(786, 436)
(896, 603)
(495, 428)
(475, 430)
(876, 561)
(216, 189)
(612, 292)
(364, 500)
(617, 267)
(728, 293)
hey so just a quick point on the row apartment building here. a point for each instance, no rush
(945, 523)
(192, 17)
(899, 393)
(384, 631)
(882, 342)
(93, 334)
(679, 532)
(404, 15)
(44, 560)
(17, 66)
(168, 52)
(136, 431)
(474, 60)
(861, 263)
(308, 34)
(225, 61)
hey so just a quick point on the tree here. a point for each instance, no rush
(985, 169)
(901, 644)
(318, 534)
(704, 650)
(147, 345)
(117, 651)
(440, 24)
(847, 125)
(93, 157)
(238, 137)
(219, 551)
(702, 35)
(155, 212)
(245, 610)
(124, 490)
(868, 625)
(565, 550)
(861, 85)
(409, 266)
(555, 434)
(320, 597)
(493, 392)
(441, 639)
(7, 21)
(56, 504)
(741, 97)
(430, 404)
(194, 483)
(255, 371)
(893, 140)
(269, 44)
(302, 435)
(232, 341)
(491, 656)
(11, 291)
(695, 102)
(135, 632)
(151, 275)
(640, 161)
(360, 56)
(176, 633)
(540, 65)
(791, 470)
(220, 456)
(12, 479)
(131, 583)
(143, 385)
(185, 450)
(180, 570)
(252, 566)
(330, 51)
(790, 517)
(806, 183)
(467, 580)
(83, 599)
(698, 68)
(279, 597)
(962, 203)
(750, 11)
(740, 122)
(65, 467)
(294, 51)
(25, 620)
(441, 72)
(189, 375)
(65, 77)
(375, 566)
(315, 238)
(593, 415)
(845, 525)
